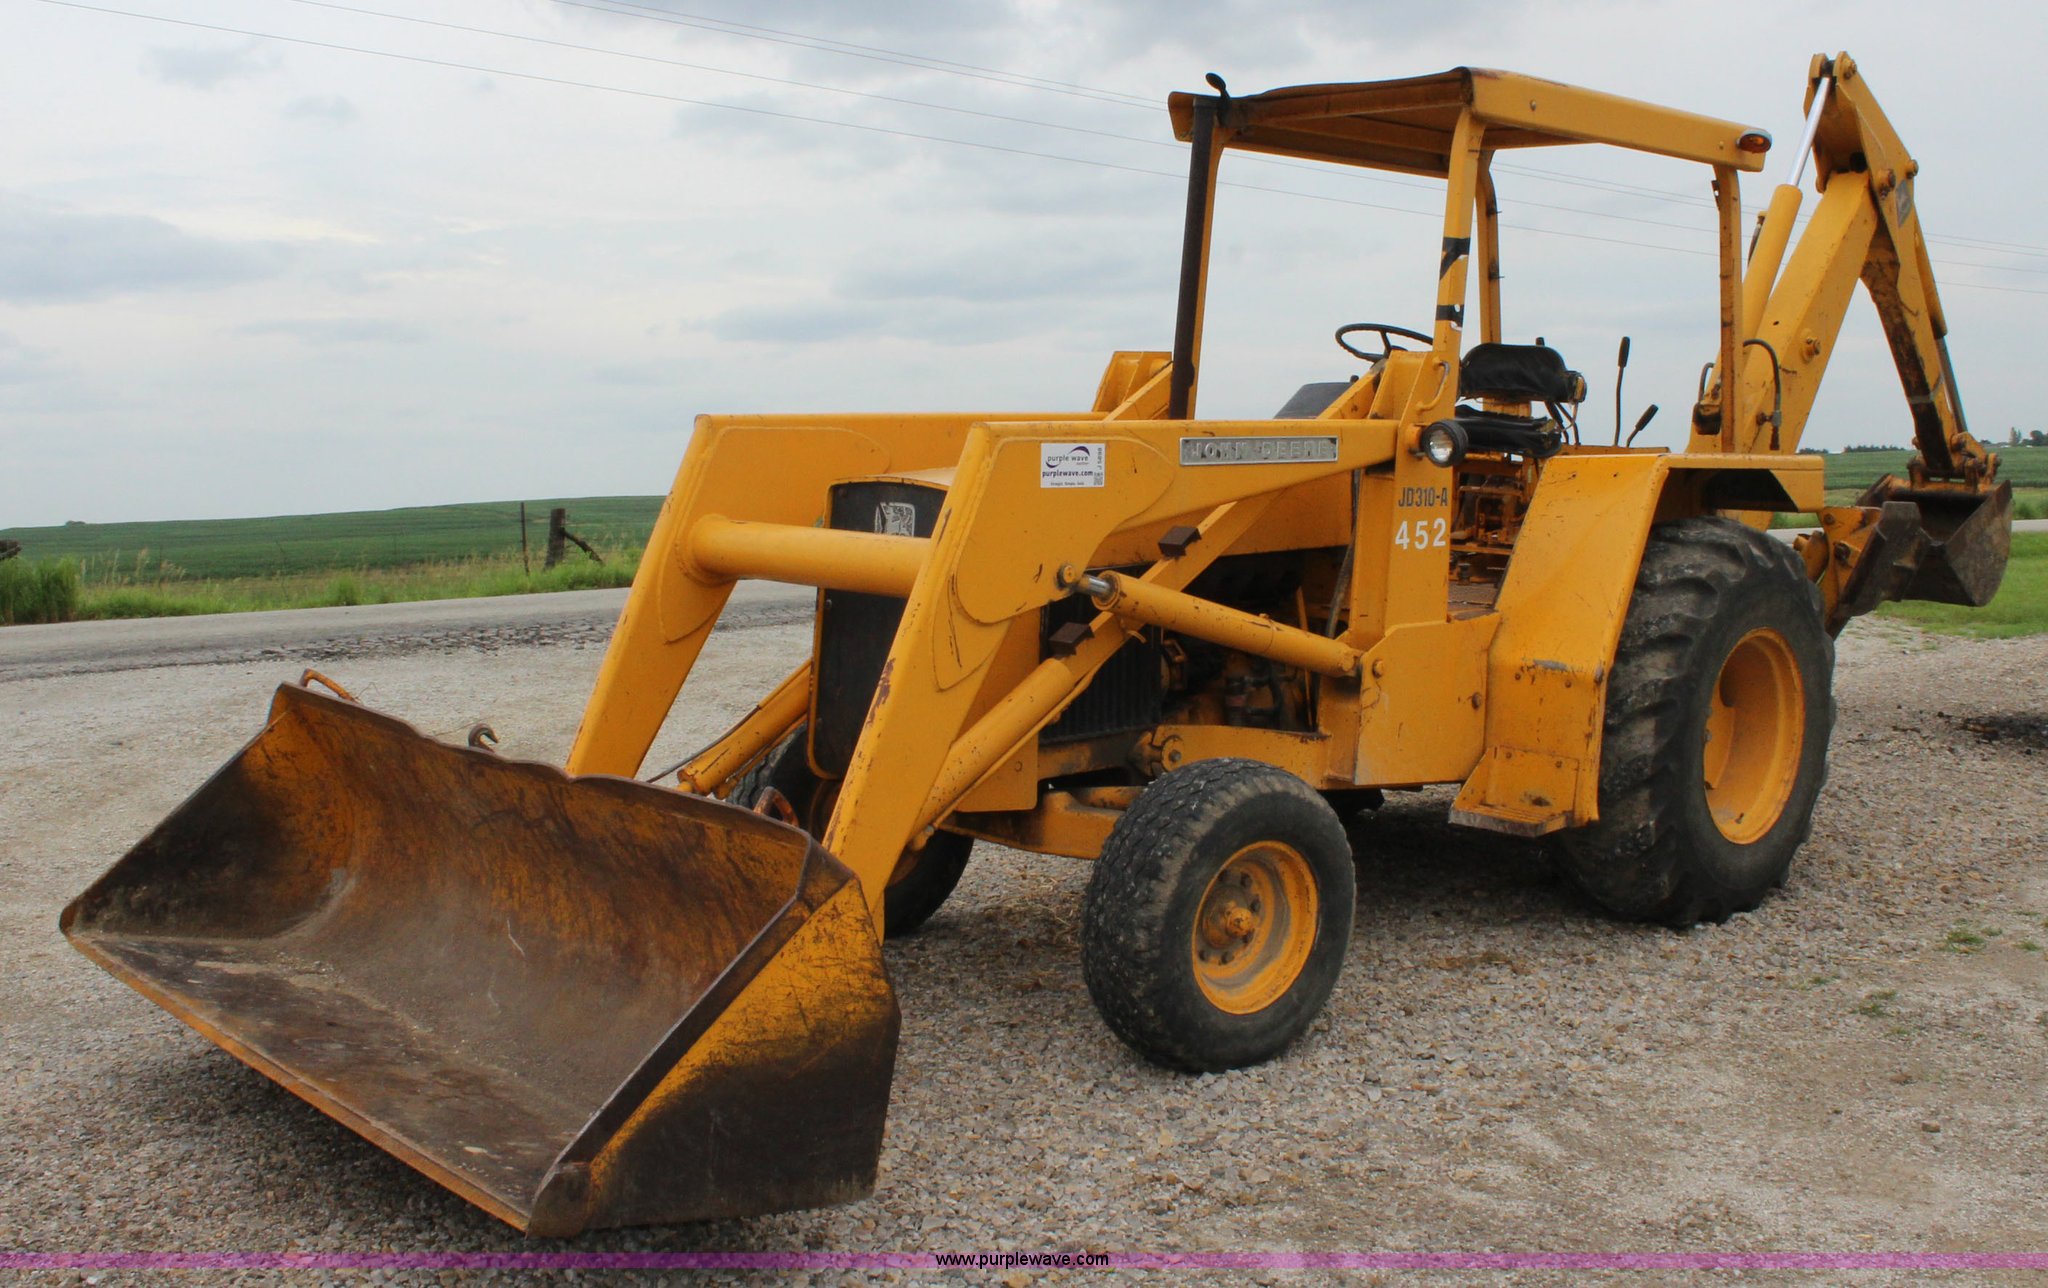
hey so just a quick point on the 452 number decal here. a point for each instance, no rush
(1421, 534)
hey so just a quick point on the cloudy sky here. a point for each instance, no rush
(278, 256)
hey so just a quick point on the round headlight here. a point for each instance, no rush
(1444, 443)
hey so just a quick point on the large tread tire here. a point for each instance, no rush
(916, 893)
(1657, 853)
(914, 896)
(1141, 915)
(746, 788)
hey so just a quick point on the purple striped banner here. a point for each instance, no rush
(1023, 1260)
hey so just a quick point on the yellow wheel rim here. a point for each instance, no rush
(1756, 726)
(1254, 928)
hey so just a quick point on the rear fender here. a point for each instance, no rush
(1561, 610)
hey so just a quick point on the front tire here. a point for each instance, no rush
(1217, 917)
(1716, 734)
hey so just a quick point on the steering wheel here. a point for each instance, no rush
(1385, 331)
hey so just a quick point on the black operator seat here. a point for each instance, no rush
(1519, 373)
(1312, 400)
(1523, 373)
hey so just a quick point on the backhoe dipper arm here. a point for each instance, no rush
(1866, 228)
(1943, 533)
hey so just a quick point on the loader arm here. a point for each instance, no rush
(1950, 541)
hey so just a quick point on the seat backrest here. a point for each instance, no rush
(1312, 400)
(1519, 372)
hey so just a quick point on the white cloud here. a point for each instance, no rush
(210, 66)
(340, 330)
(52, 253)
(20, 363)
(331, 109)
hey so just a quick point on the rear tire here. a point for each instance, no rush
(1716, 732)
(1217, 917)
(922, 883)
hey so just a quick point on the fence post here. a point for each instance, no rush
(558, 532)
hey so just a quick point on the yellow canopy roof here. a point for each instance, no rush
(1407, 124)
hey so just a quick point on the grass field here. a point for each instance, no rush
(1849, 473)
(126, 596)
(186, 566)
(2025, 468)
(288, 545)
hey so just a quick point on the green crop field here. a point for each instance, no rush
(1849, 473)
(185, 566)
(2023, 467)
(357, 541)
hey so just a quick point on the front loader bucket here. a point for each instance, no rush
(575, 1002)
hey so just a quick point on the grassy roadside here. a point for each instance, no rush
(53, 590)
(328, 544)
(178, 568)
(44, 590)
(454, 579)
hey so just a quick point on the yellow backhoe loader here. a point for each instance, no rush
(1180, 648)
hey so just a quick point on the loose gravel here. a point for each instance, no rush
(1855, 1066)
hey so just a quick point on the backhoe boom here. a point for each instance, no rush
(1952, 544)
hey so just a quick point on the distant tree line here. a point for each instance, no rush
(2013, 438)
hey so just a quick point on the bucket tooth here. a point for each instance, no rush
(576, 1002)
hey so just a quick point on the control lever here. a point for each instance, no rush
(1620, 372)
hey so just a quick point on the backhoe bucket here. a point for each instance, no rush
(575, 1002)
(1969, 540)
(1950, 547)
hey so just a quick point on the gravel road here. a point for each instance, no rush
(325, 634)
(1856, 1066)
